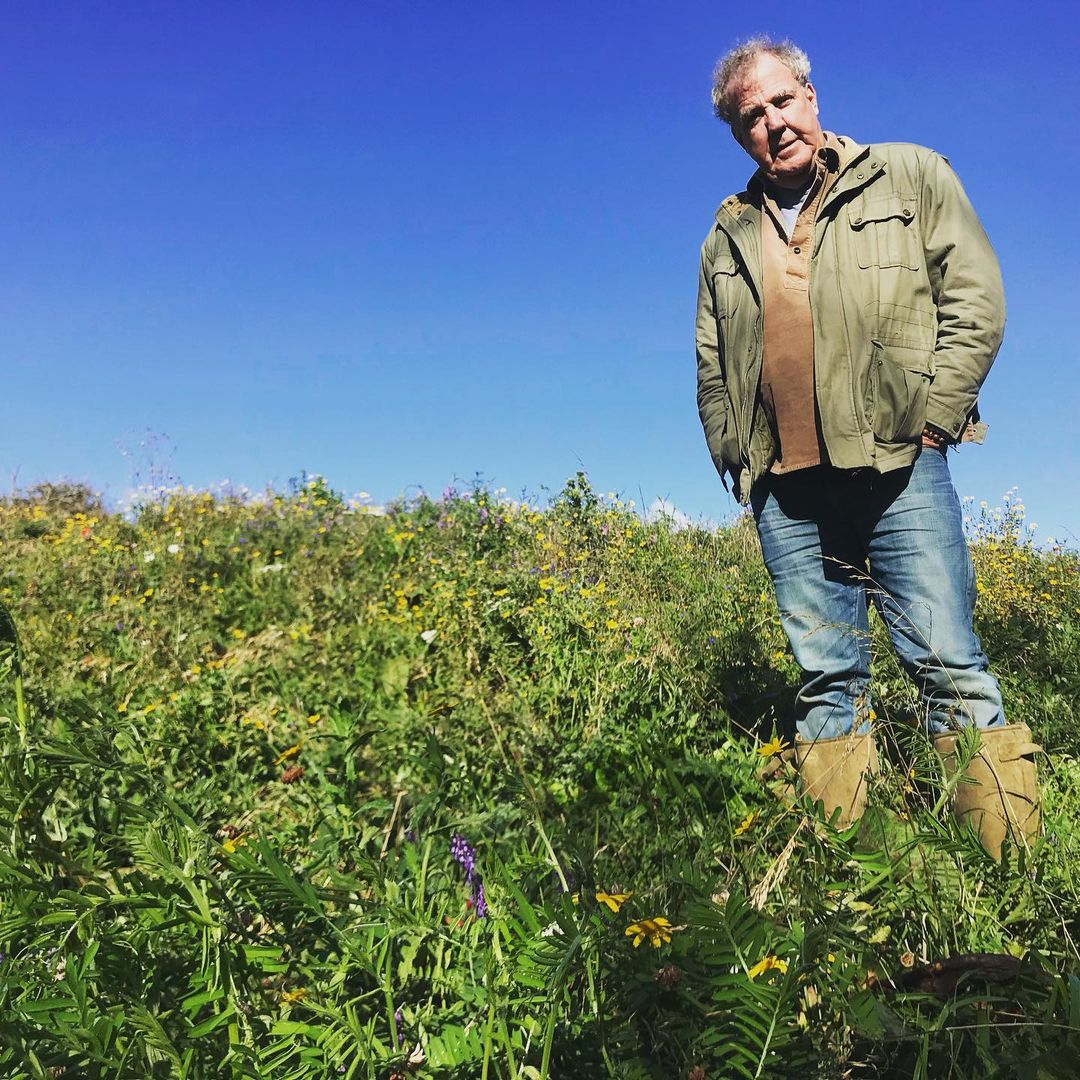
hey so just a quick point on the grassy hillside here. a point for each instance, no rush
(292, 789)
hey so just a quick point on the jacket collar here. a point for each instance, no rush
(858, 168)
(743, 210)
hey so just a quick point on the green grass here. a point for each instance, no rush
(252, 727)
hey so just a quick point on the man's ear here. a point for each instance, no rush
(811, 96)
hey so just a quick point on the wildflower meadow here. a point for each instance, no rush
(296, 787)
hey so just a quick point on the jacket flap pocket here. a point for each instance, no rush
(724, 263)
(901, 207)
(917, 360)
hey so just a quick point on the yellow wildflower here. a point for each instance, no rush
(746, 822)
(768, 963)
(233, 842)
(656, 930)
(775, 746)
(292, 751)
(613, 900)
(291, 996)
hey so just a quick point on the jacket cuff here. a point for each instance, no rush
(945, 421)
(946, 436)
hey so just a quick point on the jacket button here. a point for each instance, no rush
(858, 176)
(798, 251)
(908, 211)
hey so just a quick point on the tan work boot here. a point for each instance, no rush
(835, 771)
(1002, 798)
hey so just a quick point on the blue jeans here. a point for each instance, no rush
(836, 541)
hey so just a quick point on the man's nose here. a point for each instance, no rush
(774, 119)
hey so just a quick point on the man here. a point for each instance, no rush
(849, 308)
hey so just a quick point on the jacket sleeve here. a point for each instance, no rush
(968, 292)
(712, 397)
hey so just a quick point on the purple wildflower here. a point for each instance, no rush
(399, 1022)
(479, 899)
(462, 853)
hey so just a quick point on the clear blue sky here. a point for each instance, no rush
(399, 243)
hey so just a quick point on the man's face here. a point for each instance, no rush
(777, 122)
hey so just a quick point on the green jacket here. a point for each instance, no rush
(907, 305)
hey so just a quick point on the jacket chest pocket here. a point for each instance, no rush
(884, 233)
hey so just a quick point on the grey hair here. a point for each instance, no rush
(735, 63)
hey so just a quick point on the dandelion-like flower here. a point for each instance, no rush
(746, 822)
(463, 854)
(775, 746)
(657, 930)
(614, 901)
(292, 751)
(768, 963)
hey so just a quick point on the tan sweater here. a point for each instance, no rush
(787, 372)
